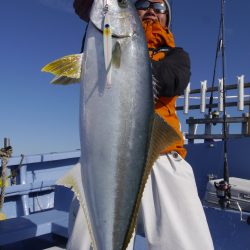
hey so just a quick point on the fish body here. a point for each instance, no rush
(115, 127)
(120, 135)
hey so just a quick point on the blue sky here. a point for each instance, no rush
(41, 118)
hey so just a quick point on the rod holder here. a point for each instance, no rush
(220, 103)
(241, 92)
(186, 99)
(203, 95)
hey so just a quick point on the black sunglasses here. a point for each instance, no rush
(158, 7)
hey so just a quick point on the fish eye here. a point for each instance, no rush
(122, 3)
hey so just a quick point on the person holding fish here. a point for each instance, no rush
(171, 210)
(119, 172)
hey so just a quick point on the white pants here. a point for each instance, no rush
(171, 211)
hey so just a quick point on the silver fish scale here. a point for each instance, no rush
(115, 129)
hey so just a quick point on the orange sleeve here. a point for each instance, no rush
(165, 107)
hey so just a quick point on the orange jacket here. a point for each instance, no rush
(157, 37)
(165, 107)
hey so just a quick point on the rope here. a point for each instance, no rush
(5, 154)
(4, 166)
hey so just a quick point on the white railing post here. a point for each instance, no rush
(241, 93)
(220, 94)
(186, 99)
(203, 96)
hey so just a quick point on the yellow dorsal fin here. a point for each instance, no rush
(162, 136)
(67, 69)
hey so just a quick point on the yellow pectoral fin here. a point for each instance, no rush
(66, 69)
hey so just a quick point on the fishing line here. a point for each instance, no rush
(214, 72)
(223, 188)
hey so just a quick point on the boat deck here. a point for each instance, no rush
(38, 216)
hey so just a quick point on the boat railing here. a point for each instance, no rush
(241, 100)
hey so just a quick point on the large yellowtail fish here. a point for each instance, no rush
(121, 137)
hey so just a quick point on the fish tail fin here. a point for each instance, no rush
(67, 69)
(73, 180)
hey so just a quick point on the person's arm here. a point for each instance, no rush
(172, 73)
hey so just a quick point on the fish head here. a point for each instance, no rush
(124, 19)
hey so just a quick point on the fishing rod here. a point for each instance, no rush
(223, 188)
(218, 47)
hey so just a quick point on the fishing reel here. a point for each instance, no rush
(214, 115)
(223, 191)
